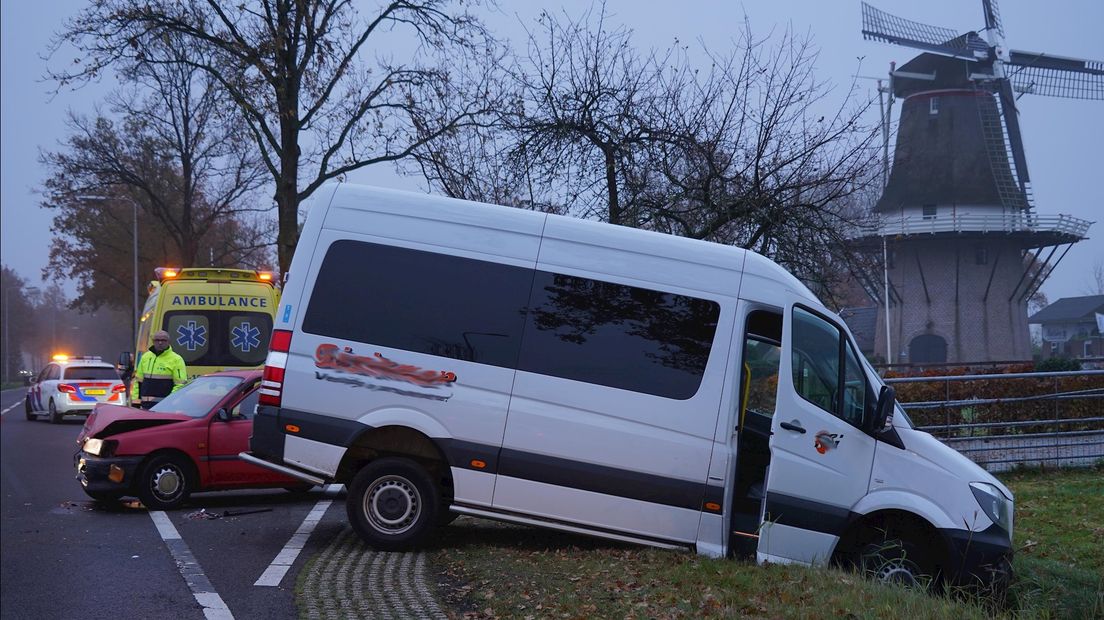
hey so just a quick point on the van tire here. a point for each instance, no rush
(896, 561)
(393, 504)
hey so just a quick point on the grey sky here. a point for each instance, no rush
(1063, 137)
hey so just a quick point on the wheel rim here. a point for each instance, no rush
(167, 483)
(392, 505)
(898, 571)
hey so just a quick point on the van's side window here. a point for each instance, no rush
(424, 302)
(618, 336)
(574, 328)
(820, 351)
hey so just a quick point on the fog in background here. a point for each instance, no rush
(1063, 138)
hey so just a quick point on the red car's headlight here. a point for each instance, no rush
(100, 447)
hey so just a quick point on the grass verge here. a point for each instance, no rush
(491, 570)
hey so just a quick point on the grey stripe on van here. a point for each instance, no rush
(527, 466)
(324, 428)
(602, 479)
(807, 515)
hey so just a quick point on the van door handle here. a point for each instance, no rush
(793, 426)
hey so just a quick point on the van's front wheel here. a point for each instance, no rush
(393, 504)
(897, 561)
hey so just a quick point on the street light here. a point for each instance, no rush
(134, 238)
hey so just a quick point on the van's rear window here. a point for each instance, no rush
(513, 317)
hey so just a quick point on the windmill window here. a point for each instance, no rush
(981, 256)
(933, 106)
(1088, 349)
(929, 212)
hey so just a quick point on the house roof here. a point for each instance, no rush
(862, 322)
(1069, 309)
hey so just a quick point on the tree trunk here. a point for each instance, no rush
(611, 187)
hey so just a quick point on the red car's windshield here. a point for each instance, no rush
(198, 397)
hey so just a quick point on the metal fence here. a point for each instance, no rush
(1001, 421)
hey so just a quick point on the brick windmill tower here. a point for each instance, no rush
(965, 248)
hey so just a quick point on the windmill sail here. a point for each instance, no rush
(1054, 76)
(881, 26)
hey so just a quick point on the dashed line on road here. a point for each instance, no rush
(274, 574)
(9, 409)
(214, 608)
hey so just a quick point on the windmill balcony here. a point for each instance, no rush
(997, 223)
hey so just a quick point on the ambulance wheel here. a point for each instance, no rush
(55, 415)
(28, 411)
(393, 504)
(896, 561)
(165, 482)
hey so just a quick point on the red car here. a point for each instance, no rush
(188, 442)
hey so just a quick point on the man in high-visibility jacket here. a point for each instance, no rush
(160, 372)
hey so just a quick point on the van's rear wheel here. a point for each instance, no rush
(393, 504)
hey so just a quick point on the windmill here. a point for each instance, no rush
(964, 247)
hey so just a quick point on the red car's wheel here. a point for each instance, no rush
(165, 483)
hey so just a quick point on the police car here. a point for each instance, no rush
(73, 386)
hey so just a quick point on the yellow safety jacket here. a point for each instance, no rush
(157, 376)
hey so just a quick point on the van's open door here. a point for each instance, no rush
(820, 456)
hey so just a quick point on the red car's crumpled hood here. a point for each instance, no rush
(107, 420)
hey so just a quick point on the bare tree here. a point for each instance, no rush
(167, 148)
(585, 114)
(747, 151)
(297, 72)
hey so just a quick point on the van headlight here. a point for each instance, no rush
(993, 503)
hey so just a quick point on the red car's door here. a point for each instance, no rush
(226, 439)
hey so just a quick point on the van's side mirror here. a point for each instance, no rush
(883, 411)
(223, 415)
(27, 381)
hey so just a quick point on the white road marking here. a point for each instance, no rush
(164, 526)
(9, 408)
(214, 608)
(274, 574)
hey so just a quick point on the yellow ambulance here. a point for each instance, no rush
(217, 318)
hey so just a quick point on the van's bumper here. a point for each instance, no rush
(267, 441)
(266, 446)
(979, 558)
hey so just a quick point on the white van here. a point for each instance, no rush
(443, 357)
